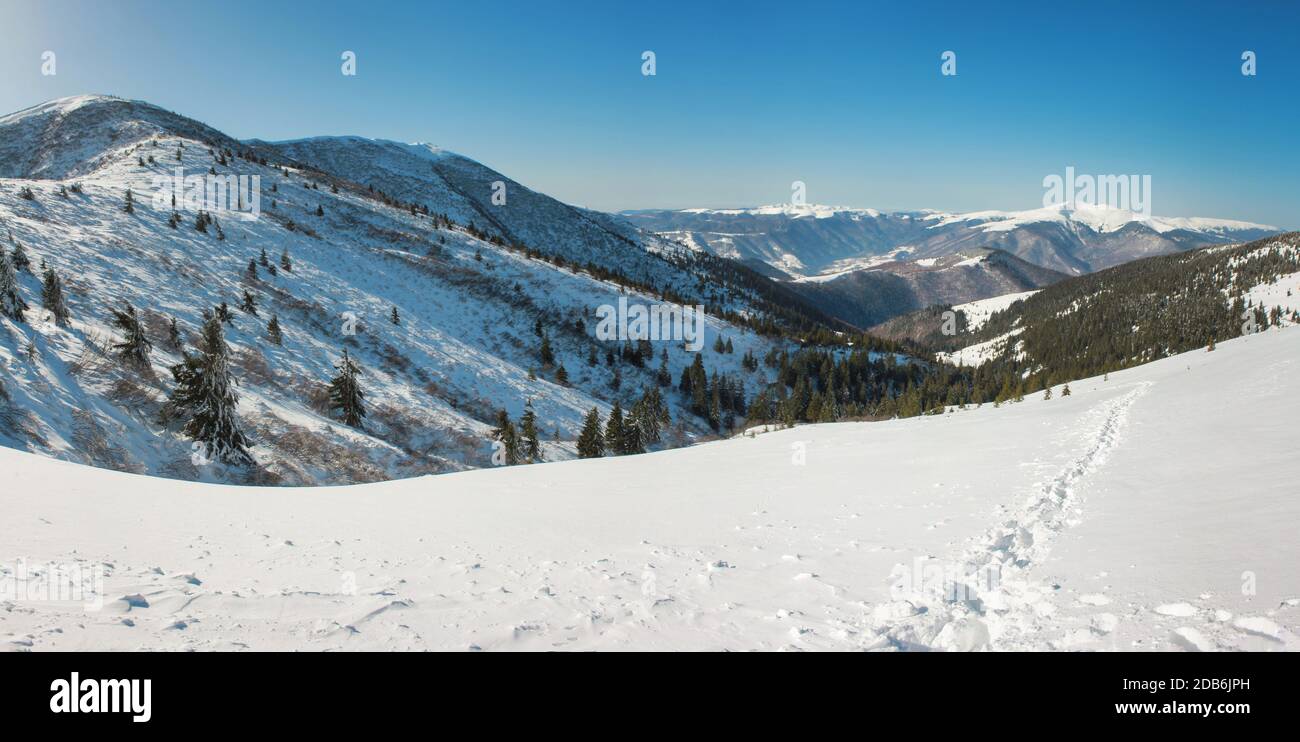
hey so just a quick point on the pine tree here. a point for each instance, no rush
(561, 376)
(320, 211)
(273, 332)
(223, 313)
(134, 348)
(1065, 390)
(1047, 394)
(532, 447)
(505, 434)
(262, 260)
(20, 259)
(614, 430)
(130, 202)
(204, 391)
(591, 443)
(664, 377)
(11, 303)
(345, 393)
(548, 357)
(251, 272)
(286, 265)
(249, 304)
(52, 298)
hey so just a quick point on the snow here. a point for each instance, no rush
(1284, 293)
(1098, 217)
(978, 312)
(1153, 510)
(464, 349)
(795, 211)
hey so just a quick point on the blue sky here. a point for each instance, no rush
(748, 97)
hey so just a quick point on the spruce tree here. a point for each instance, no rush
(11, 303)
(286, 264)
(505, 434)
(1065, 390)
(614, 430)
(130, 202)
(204, 392)
(273, 332)
(547, 356)
(52, 298)
(134, 348)
(345, 393)
(395, 318)
(20, 259)
(591, 443)
(532, 447)
(561, 376)
(249, 304)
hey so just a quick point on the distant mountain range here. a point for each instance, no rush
(808, 240)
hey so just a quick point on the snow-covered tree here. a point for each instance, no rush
(134, 348)
(205, 393)
(20, 259)
(11, 303)
(52, 298)
(346, 396)
(273, 332)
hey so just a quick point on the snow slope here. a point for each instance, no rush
(1154, 510)
(465, 346)
(978, 312)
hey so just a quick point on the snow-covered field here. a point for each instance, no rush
(1155, 510)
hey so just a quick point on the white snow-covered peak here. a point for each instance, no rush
(62, 106)
(1099, 218)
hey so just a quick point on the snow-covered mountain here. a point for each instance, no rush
(1151, 510)
(866, 295)
(806, 240)
(368, 228)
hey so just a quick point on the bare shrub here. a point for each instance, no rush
(91, 441)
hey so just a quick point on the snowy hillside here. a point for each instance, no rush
(469, 307)
(1120, 517)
